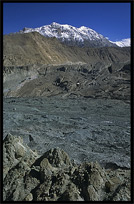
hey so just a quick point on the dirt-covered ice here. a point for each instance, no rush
(87, 129)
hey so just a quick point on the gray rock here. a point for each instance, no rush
(92, 194)
(52, 177)
(72, 193)
(17, 161)
(29, 197)
(57, 157)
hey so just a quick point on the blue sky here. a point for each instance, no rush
(112, 20)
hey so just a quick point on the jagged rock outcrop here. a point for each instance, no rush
(53, 177)
(17, 160)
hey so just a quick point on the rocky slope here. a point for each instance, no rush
(38, 66)
(54, 177)
(79, 80)
(33, 48)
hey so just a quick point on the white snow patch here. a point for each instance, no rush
(123, 43)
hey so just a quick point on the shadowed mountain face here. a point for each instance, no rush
(38, 66)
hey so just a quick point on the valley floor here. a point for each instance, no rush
(87, 129)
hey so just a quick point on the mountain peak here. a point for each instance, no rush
(82, 36)
(55, 24)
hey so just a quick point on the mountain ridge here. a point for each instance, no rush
(33, 48)
(82, 36)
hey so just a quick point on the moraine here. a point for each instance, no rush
(87, 129)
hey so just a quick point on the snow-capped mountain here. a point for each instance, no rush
(123, 43)
(71, 35)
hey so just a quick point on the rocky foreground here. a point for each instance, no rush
(54, 177)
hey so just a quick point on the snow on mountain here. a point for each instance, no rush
(65, 32)
(123, 43)
(71, 35)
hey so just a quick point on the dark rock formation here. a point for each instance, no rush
(110, 69)
(53, 177)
